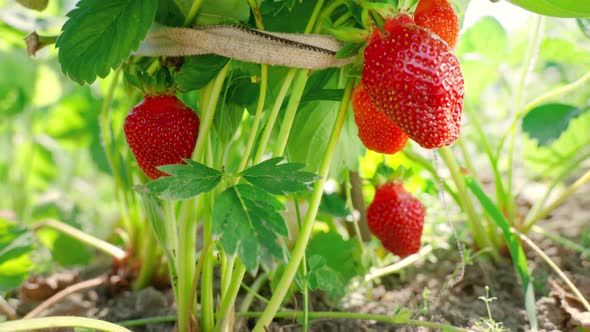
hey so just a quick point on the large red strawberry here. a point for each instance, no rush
(396, 218)
(415, 79)
(161, 130)
(439, 17)
(377, 131)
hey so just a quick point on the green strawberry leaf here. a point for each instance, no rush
(334, 205)
(556, 8)
(100, 34)
(16, 245)
(199, 70)
(222, 11)
(546, 123)
(185, 181)
(248, 222)
(312, 128)
(340, 255)
(278, 178)
(321, 276)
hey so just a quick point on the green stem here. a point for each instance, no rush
(567, 193)
(257, 14)
(190, 17)
(562, 240)
(186, 268)
(212, 90)
(253, 292)
(257, 117)
(79, 235)
(232, 292)
(556, 93)
(479, 234)
(498, 183)
(145, 321)
(274, 114)
(305, 233)
(60, 321)
(350, 315)
(149, 261)
(292, 106)
(529, 57)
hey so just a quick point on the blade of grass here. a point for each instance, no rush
(514, 246)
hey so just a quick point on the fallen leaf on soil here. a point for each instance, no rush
(570, 303)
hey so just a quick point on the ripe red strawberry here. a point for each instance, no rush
(439, 17)
(377, 132)
(396, 218)
(415, 79)
(161, 130)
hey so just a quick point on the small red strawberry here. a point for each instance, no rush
(396, 218)
(439, 17)
(377, 131)
(415, 79)
(161, 130)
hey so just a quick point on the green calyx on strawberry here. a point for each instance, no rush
(439, 17)
(414, 78)
(161, 130)
(377, 131)
(396, 218)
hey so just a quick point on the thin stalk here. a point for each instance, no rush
(555, 268)
(60, 321)
(257, 117)
(257, 14)
(350, 315)
(479, 234)
(556, 93)
(207, 304)
(350, 206)
(145, 321)
(554, 182)
(528, 62)
(79, 235)
(253, 292)
(466, 157)
(567, 193)
(212, 90)
(292, 106)
(63, 294)
(186, 268)
(561, 240)
(305, 289)
(232, 292)
(190, 17)
(305, 233)
(274, 114)
(498, 183)
(149, 260)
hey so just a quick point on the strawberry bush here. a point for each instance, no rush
(224, 148)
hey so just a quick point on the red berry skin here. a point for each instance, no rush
(161, 130)
(415, 79)
(377, 131)
(396, 218)
(439, 17)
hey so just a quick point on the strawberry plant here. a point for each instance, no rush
(282, 155)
